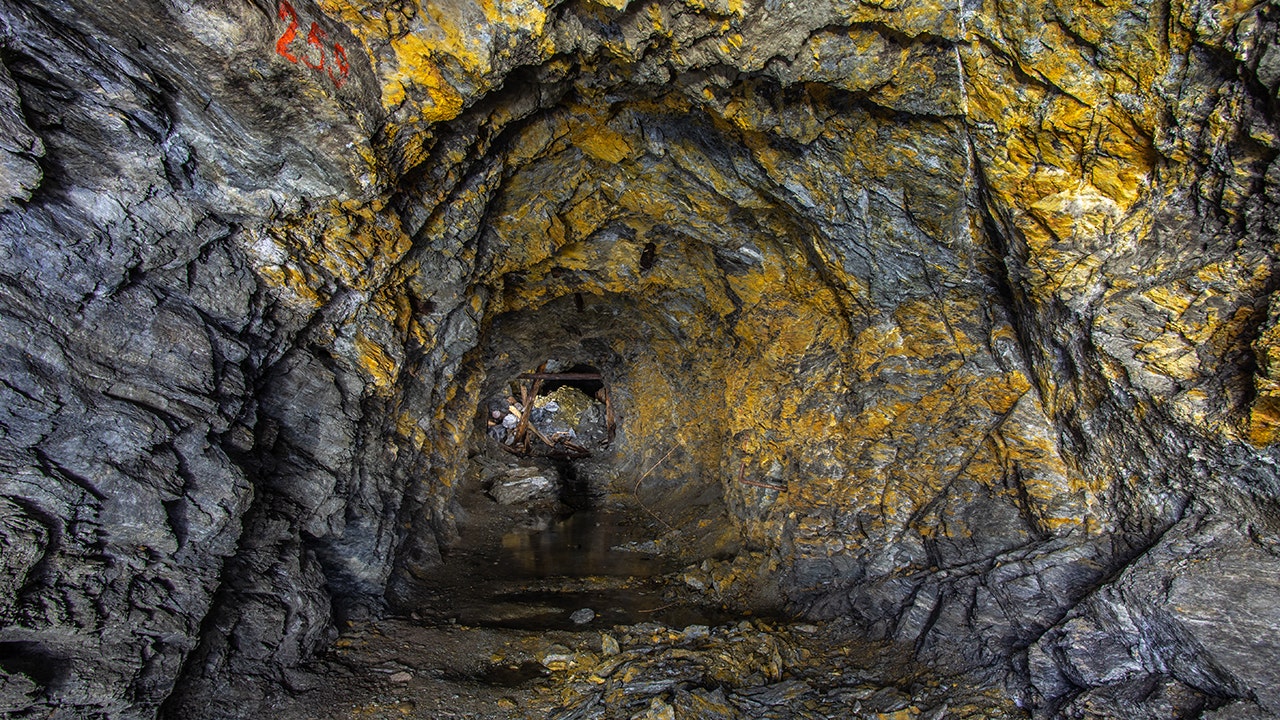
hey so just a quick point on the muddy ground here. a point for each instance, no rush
(566, 609)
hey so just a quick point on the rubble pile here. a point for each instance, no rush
(565, 421)
(746, 671)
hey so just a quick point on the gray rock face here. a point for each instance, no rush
(21, 148)
(961, 316)
(126, 406)
(133, 334)
(1200, 607)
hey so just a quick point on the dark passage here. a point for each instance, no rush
(540, 548)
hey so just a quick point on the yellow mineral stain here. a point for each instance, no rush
(603, 143)
(1264, 419)
(376, 362)
(417, 67)
(293, 282)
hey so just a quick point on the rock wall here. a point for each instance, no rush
(975, 297)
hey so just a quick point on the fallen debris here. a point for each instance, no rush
(565, 422)
(524, 486)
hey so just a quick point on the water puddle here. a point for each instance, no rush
(553, 610)
(583, 544)
(537, 579)
(520, 568)
(504, 675)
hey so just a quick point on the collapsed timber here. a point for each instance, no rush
(559, 444)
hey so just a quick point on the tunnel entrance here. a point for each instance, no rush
(609, 510)
(551, 532)
(558, 410)
(552, 528)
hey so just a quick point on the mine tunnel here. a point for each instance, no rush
(603, 484)
(649, 360)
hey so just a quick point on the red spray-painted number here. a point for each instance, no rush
(315, 38)
(282, 45)
(344, 67)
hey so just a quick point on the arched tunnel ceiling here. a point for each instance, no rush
(922, 260)
(1004, 124)
(976, 294)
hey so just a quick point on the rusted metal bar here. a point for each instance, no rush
(533, 429)
(742, 478)
(559, 376)
(560, 447)
(753, 483)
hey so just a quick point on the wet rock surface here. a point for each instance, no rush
(949, 326)
(750, 669)
(526, 486)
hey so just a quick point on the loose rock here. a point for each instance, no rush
(525, 486)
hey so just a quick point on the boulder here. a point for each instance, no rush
(526, 486)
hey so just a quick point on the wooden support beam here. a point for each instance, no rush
(608, 412)
(522, 434)
(559, 376)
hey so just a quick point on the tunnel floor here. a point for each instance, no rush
(503, 633)
(567, 561)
